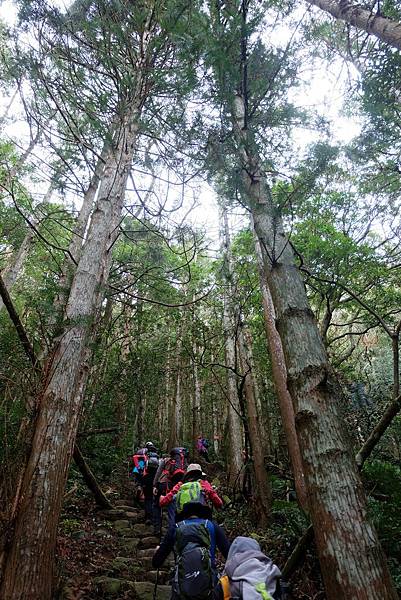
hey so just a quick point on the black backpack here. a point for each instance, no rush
(153, 462)
(194, 576)
(178, 462)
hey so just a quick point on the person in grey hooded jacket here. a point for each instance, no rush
(249, 574)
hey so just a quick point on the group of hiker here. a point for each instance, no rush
(194, 536)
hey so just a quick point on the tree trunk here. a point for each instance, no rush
(263, 496)
(351, 558)
(175, 406)
(196, 408)
(262, 416)
(7, 109)
(280, 381)
(77, 240)
(30, 560)
(234, 410)
(396, 363)
(385, 29)
(392, 410)
(90, 480)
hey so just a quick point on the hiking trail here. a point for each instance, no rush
(129, 574)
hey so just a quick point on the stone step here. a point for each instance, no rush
(144, 590)
(141, 530)
(162, 577)
(125, 502)
(149, 542)
(145, 552)
(146, 562)
(129, 545)
(117, 514)
(110, 587)
(130, 509)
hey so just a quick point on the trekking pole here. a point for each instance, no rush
(156, 584)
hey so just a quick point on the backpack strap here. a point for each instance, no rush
(225, 586)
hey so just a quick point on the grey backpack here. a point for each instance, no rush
(249, 574)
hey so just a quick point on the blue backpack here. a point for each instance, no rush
(195, 547)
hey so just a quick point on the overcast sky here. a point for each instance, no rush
(321, 90)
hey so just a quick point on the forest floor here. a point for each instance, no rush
(107, 554)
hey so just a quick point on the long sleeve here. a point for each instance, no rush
(168, 498)
(166, 546)
(222, 542)
(211, 494)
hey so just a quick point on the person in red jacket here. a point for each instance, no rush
(194, 473)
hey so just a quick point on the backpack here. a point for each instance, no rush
(178, 462)
(195, 547)
(140, 460)
(249, 574)
(191, 491)
(152, 463)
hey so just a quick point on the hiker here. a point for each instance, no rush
(148, 475)
(202, 446)
(171, 470)
(194, 540)
(249, 574)
(138, 467)
(193, 488)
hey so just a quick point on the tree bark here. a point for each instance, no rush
(77, 240)
(234, 410)
(385, 29)
(175, 406)
(351, 558)
(262, 416)
(30, 560)
(263, 496)
(196, 407)
(280, 381)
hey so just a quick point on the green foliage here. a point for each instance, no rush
(384, 484)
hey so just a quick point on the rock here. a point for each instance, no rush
(109, 586)
(144, 590)
(78, 535)
(149, 542)
(123, 527)
(145, 552)
(142, 530)
(68, 592)
(146, 562)
(103, 532)
(162, 576)
(128, 508)
(133, 516)
(129, 545)
(112, 515)
(121, 563)
(124, 502)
